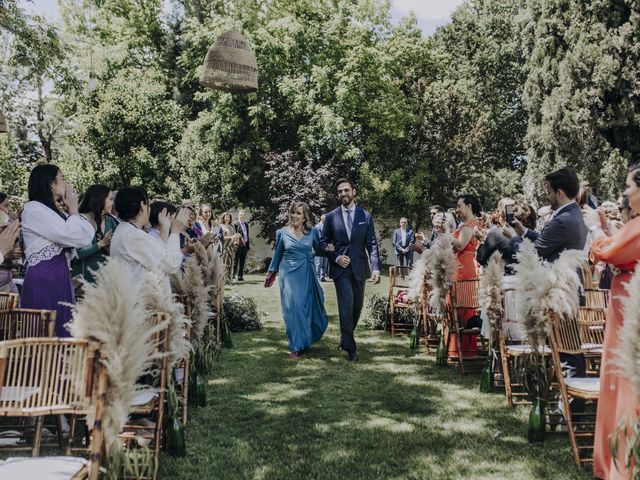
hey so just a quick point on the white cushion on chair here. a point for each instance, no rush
(523, 348)
(591, 346)
(143, 398)
(43, 468)
(178, 374)
(17, 394)
(585, 384)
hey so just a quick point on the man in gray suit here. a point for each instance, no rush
(403, 244)
(566, 229)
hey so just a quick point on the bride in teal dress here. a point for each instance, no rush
(301, 296)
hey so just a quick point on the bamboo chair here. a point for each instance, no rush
(27, 323)
(182, 368)
(596, 297)
(513, 345)
(430, 318)
(591, 324)
(399, 281)
(565, 338)
(53, 376)
(8, 300)
(152, 404)
(463, 294)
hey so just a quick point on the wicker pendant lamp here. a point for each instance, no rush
(230, 65)
(4, 128)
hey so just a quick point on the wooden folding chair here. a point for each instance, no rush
(182, 368)
(591, 324)
(463, 296)
(513, 345)
(565, 338)
(53, 376)
(151, 405)
(399, 282)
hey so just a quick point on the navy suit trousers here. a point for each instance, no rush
(350, 293)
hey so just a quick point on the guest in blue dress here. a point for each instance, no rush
(301, 296)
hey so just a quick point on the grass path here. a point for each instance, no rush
(392, 415)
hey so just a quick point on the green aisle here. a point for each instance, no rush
(392, 415)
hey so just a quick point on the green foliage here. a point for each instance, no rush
(583, 89)
(241, 313)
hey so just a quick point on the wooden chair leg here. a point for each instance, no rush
(37, 436)
(506, 375)
(73, 424)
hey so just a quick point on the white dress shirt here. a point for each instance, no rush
(146, 252)
(46, 234)
(403, 236)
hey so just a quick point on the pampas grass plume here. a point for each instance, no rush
(490, 290)
(442, 265)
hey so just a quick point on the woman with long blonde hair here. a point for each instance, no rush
(230, 245)
(301, 296)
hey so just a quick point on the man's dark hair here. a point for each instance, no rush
(565, 179)
(344, 180)
(157, 207)
(40, 180)
(128, 202)
(438, 208)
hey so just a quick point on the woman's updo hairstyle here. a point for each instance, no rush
(473, 202)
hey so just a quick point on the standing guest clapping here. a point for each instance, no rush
(133, 245)
(242, 228)
(301, 296)
(231, 240)
(96, 206)
(49, 235)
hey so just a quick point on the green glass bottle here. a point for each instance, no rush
(486, 378)
(176, 444)
(227, 342)
(441, 352)
(413, 338)
(201, 391)
(537, 421)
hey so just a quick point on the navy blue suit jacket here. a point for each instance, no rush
(362, 247)
(565, 231)
(397, 240)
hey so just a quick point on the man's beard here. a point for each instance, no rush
(346, 200)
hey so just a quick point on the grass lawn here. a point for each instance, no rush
(392, 415)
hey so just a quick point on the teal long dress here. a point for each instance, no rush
(301, 296)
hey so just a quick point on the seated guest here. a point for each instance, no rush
(403, 244)
(134, 246)
(154, 212)
(49, 237)
(96, 205)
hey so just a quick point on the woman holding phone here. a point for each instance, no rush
(301, 296)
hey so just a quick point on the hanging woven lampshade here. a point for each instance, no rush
(4, 128)
(230, 65)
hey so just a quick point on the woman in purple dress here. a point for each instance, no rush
(49, 239)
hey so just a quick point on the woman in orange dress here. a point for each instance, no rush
(465, 245)
(617, 398)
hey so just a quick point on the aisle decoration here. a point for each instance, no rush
(417, 278)
(543, 289)
(113, 312)
(627, 359)
(490, 300)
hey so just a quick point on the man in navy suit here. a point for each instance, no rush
(403, 244)
(350, 230)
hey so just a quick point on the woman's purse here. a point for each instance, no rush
(268, 281)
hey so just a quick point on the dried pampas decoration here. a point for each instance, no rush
(542, 288)
(113, 313)
(490, 291)
(158, 298)
(627, 356)
(417, 277)
(442, 265)
(191, 283)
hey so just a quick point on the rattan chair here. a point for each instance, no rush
(565, 338)
(596, 297)
(399, 282)
(53, 376)
(151, 405)
(463, 296)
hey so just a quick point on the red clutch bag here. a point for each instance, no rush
(268, 281)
